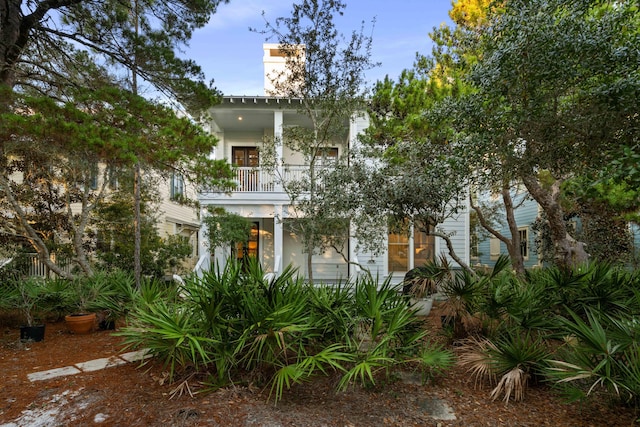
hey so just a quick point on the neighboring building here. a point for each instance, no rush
(484, 252)
(242, 123)
(173, 217)
(179, 219)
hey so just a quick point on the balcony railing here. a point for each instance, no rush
(263, 180)
(266, 180)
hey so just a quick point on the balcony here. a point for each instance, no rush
(259, 180)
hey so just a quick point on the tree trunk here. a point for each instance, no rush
(15, 32)
(513, 247)
(452, 252)
(310, 263)
(31, 234)
(137, 245)
(513, 244)
(568, 253)
(137, 267)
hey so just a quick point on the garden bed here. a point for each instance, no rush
(128, 395)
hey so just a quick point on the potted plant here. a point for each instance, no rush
(114, 299)
(421, 283)
(26, 294)
(83, 292)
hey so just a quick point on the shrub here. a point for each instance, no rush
(234, 323)
(602, 352)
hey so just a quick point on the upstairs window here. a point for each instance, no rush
(327, 156)
(245, 156)
(177, 186)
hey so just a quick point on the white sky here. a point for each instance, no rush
(232, 55)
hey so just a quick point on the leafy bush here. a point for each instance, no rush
(508, 361)
(601, 352)
(585, 316)
(235, 324)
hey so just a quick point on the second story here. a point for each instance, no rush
(270, 140)
(252, 136)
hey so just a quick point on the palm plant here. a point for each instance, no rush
(57, 298)
(508, 361)
(528, 306)
(25, 294)
(234, 322)
(602, 354)
(433, 360)
(425, 280)
(334, 310)
(463, 295)
(116, 296)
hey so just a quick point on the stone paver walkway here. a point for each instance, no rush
(437, 408)
(91, 365)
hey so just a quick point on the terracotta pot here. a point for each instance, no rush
(80, 323)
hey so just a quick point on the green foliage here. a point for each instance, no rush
(68, 119)
(537, 118)
(602, 353)
(576, 328)
(117, 297)
(91, 35)
(225, 228)
(26, 295)
(233, 323)
(114, 223)
(434, 360)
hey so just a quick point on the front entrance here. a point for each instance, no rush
(249, 248)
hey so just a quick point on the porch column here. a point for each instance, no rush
(277, 238)
(277, 134)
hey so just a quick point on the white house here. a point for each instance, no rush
(242, 123)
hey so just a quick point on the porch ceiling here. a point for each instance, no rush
(254, 113)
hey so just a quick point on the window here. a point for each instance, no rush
(93, 178)
(245, 157)
(422, 245)
(177, 186)
(327, 156)
(398, 252)
(474, 247)
(249, 248)
(113, 178)
(423, 248)
(523, 233)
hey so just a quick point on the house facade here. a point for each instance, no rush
(485, 251)
(243, 125)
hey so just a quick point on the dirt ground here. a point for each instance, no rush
(130, 396)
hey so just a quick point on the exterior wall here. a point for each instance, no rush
(525, 215)
(327, 267)
(269, 206)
